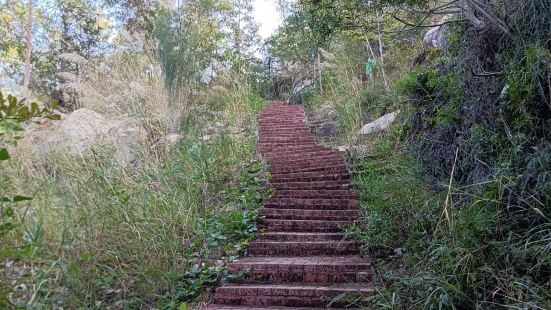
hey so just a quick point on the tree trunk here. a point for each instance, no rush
(28, 52)
(320, 73)
(381, 52)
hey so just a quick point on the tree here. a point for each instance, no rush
(28, 51)
(242, 34)
(243, 31)
(34, 33)
(188, 40)
(136, 16)
(12, 48)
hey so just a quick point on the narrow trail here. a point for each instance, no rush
(301, 258)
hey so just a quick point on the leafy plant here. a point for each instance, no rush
(13, 113)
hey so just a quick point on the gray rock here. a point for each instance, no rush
(83, 130)
(380, 124)
(330, 129)
(298, 92)
(436, 36)
(399, 251)
(295, 99)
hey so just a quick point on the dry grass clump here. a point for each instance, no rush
(126, 84)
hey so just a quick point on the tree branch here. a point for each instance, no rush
(500, 24)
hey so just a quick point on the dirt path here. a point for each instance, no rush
(301, 258)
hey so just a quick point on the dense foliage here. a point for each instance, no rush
(456, 196)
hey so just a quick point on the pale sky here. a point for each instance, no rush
(266, 15)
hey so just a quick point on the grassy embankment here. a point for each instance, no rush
(455, 196)
(153, 233)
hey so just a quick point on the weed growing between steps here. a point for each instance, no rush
(151, 234)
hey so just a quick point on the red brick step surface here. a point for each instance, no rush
(317, 269)
(300, 258)
(289, 295)
(311, 203)
(300, 236)
(298, 214)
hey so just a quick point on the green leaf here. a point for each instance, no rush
(4, 155)
(23, 113)
(183, 306)
(55, 117)
(5, 199)
(12, 102)
(4, 228)
(9, 212)
(21, 198)
(34, 107)
(53, 104)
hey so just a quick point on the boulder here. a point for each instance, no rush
(329, 129)
(83, 130)
(436, 36)
(299, 90)
(380, 124)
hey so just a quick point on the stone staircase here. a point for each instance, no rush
(301, 258)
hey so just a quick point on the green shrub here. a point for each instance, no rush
(458, 212)
(408, 83)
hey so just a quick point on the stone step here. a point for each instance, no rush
(291, 138)
(311, 203)
(290, 150)
(303, 248)
(301, 214)
(234, 307)
(297, 155)
(282, 131)
(300, 156)
(290, 294)
(294, 236)
(328, 168)
(307, 163)
(309, 176)
(275, 225)
(315, 193)
(278, 146)
(314, 269)
(291, 124)
(344, 184)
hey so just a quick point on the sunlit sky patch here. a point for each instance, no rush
(266, 15)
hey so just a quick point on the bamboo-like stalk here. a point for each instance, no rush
(28, 52)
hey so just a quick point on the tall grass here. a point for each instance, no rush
(437, 252)
(125, 84)
(357, 98)
(147, 235)
(445, 245)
